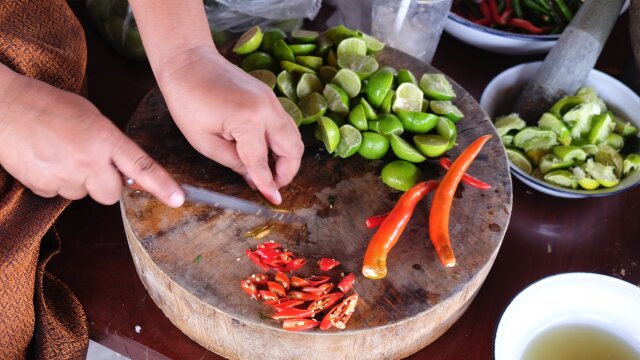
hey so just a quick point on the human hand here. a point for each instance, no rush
(232, 118)
(57, 143)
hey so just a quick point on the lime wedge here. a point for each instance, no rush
(282, 51)
(584, 180)
(373, 45)
(562, 178)
(570, 153)
(257, 60)
(292, 109)
(417, 122)
(312, 107)
(631, 163)
(408, 98)
(551, 162)
(249, 41)
(337, 118)
(349, 81)
(624, 128)
(519, 159)
(431, 145)
(588, 94)
(302, 49)
(374, 146)
(447, 129)
(308, 84)
(378, 86)
(296, 68)
(601, 128)
(332, 60)
(400, 175)
(327, 73)
(323, 45)
(535, 155)
(351, 46)
(406, 151)
(614, 140)
(357, 118)
(579, 119)
(304, 36)
(506, 123)
(368, 110)
(329, 132)
(565, 104)
(350, 141)
(549, 122)
(270, 37)
(311, 62)
(338, 33)
(590, 149)
(406, 76)
(363, 65)
(337, 99)
(437, 87)
(287, 85)
(535, 138)
(446, 109)
(604, 174)
(609, 156)
(507, 140)
(265, 76)
(425, 105)
(385, 107)
(386, 124)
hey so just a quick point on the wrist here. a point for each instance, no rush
(168, 71)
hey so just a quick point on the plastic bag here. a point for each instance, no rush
(223, 18)
(274, 9)
(354, 14)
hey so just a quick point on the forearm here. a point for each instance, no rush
(170, 30)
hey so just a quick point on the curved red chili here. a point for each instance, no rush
(441, 203)
(375, 258)
(445, 163)
(347, 282)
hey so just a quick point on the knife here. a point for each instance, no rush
(218, 200)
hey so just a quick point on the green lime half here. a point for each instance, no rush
(327, 73)
(584, 180)
(374, 146)
(282, 51)
(404, 150)
(249, 41)
(270, 37)
(551, 162)
(378, 86)
(408, 98)
(570, 153)
(329, 132)
(564, 178)
(607, 155)
(400, 175)
(363, 65)
(614, 140)
(446, 109)
(506, 123)
(308, 84)
(292, 109)
(311, 62)
(338, 33)
(351, 46)
(548, 121)
(265, 76)
(302, 49)
(604, 174)
(631, 163)
(349, 81)
(417, 122)
(447, 129)
(385, 107)
(601, 128)
(368, 110)
(312, 107)
(437, 87)
(579, 119)
(373, 45)
(304, 36)
(624, 128)
(350, 141)
(519, 159)
(535, 138)
(406, 76)
(287, 85)
(431, 145)
(337, 99)
(296, 68)
(357, 118)
(386, 124)
(258, 60)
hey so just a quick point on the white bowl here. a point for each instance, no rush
(499, 41)
(569, 299)
(506, 86)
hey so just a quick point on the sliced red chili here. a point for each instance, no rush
(269, 245)
(320, 290)
(283, 279)
(295, 264)
(316, 280)
(272, 302)
(276, 288)
(283, 304)
(286, 257)
(445, 163)
(375, 221)
(297, 295)
(268, 253)
(299, 324)
(249, 287)
(340, 314)
(292, 313)
(326, 264)
(325, 302)
(259, 279)
(256, 260)
(347, 282)
(298, 282)
(267, 295)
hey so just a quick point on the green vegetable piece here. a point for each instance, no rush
(549, 122)
(506, 123)
(584, 180)
(405, 75)
(385, 107)
(386, 124)
(562, 178)
(258, 60)
(531, 138)
(609, 156)
(417, 122)
(296, 68)
(436, 86)
(313, 106)
(368, 110)
(631, 163)
(327, 73)
(373, 45)
(446, 109)
(378, 86)
(286, 84)
(588, 94)
(302, 49)
(570, 153)
(337, 99)
(304, 36)
(579, 119)
(339, 33)
(604, 174)
(551, 162)
(590, 149)
(601, 128)
(565, 104)
(312, 62)
(616, 141)
(249, 41)
(624, 128)
(358, 119)
(282, 51)
(447, 129)
(507, 140)
(270, 37)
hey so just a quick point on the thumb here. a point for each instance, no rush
(136, 164)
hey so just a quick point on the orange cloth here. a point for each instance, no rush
(39, 316)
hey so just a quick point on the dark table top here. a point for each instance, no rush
(546, 235)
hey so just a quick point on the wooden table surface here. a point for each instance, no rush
(546, 235)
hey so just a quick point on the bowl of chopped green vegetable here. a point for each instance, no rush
(515, 27)
(585, 145)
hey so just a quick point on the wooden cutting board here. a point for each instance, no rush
(396, 316)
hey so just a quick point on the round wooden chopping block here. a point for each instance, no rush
(192, 259)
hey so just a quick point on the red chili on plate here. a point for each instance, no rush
(326, 264)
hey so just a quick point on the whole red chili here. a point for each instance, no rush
(375, 258)
(441, 203)
(445, 163)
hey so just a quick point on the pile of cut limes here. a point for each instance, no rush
(577, 144)
(332, 80)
